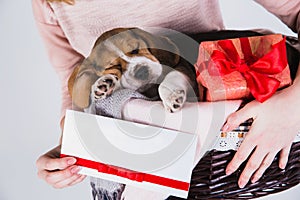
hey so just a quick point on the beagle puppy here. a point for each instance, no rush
(135, 59)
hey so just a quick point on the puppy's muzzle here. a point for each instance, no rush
(141, 72)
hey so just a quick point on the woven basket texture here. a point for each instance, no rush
(209, 180)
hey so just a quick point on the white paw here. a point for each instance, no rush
(104, 86)
(173, 100)
(173, 91)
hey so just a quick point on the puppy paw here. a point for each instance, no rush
(174, 100)
(104, 86)
(172, 91)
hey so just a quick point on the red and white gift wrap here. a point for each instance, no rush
(243, 68)
(143, 156)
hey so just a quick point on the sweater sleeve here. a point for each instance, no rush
(61, 54)
(288, 11)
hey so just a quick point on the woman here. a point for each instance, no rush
(70, 28)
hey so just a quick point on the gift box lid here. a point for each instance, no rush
(141, 155)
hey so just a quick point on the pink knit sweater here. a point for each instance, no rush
(69, 31)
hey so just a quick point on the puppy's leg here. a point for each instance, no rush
(91, 109)
(104, 86)
(173, 90)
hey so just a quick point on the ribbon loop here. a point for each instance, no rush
(125, 173)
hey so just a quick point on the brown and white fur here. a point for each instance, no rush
(134, 59)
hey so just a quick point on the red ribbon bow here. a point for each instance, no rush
(125, 173)
(255, 70)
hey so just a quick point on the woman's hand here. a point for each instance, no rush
(276, 123)
(56, 171)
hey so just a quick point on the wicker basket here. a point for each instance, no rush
(210, 182)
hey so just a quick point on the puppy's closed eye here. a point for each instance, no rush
(135, 51)
(114, 66)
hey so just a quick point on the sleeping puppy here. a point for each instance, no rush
(134, 59)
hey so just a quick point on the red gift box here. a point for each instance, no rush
(243, 67)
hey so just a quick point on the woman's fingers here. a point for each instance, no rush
(273, 129)
(56, 171)
(251, 166)
(51, 160)
(51, 164)
(240, 156)
(52, 177)
(284, 156)
(80, 179)
(263, 166)
(240, 116)
(60, 178)
(72, 180)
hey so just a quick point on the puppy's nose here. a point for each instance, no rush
(142, 73)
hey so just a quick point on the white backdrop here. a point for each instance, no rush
(30, 98)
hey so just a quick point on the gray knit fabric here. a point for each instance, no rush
(106, 190)
(111, 107)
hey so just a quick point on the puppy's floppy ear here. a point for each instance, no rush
(80, 84)
(161, 47)
(85, 75)
(71, 80)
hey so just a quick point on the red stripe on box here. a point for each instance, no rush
(129, 174)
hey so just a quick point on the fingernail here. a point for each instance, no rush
(71, 161)
(253, 180)
(228, 171)
(75, 170)
(282, 166)
(242, 184)
(225, 127)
